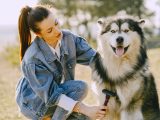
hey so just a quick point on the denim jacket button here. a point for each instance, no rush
(69, 66)
(38, 113)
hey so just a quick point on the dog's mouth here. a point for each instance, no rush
(120, 50)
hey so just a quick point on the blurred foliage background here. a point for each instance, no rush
(81, 15)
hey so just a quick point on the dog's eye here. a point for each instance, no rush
(113, 31)
(126, 30)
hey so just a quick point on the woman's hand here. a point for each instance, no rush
(93, 112)
(96, 112)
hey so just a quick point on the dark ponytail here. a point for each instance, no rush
(24, 30)
(27, 21)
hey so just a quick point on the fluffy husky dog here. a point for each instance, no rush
(121, 66)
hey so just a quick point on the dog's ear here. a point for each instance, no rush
(141, 22)
(100, 21)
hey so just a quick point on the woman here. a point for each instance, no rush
(47, 87)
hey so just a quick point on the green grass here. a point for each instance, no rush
(11, 54)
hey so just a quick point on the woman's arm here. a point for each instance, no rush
(84, 52)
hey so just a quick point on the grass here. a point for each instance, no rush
(10, 73)
(9, 76)
(154, 61)
(11, 54)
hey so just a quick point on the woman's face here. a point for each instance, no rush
(50, 30)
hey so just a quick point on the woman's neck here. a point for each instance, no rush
(52, 43)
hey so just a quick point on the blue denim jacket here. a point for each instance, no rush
(42, 72)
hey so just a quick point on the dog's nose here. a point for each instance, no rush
(119, 40)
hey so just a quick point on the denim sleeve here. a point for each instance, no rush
(84, 52)
(42, 82)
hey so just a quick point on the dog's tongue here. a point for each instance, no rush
(119, 51)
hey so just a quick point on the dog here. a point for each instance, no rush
(121, 66)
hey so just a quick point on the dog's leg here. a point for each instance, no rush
(134, 115)
(124, 115)
(110, 116)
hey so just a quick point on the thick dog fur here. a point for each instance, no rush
(121, 66)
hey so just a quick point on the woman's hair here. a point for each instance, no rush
(28, 19)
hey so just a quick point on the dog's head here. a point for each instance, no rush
(120, 35)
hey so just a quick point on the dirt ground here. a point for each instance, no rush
(9, 77)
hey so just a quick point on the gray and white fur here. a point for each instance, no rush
(121, 66)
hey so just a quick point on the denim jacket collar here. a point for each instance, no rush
(64, 49)
(49, 56)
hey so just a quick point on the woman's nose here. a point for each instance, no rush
(57, 30)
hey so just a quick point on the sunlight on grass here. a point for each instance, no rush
(11, 54)
(154, 62)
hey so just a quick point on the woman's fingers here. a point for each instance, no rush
(103, 107)
(102, 112)
(99, 117)
(97, 112)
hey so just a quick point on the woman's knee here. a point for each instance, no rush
(82, 86)
(76, 89)
(82, 89)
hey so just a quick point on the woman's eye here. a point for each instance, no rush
(49, 31)
(126, 30)
(113, 31)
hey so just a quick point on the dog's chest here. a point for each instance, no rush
(128, 91)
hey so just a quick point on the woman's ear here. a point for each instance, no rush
(39, 35)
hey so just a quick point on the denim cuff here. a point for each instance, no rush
(66, 103)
